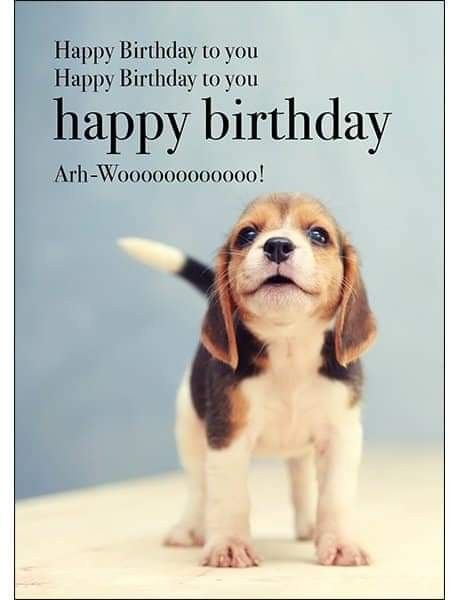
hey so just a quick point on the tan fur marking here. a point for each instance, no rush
(213, 349)
(218, 331)
(355, 328)
(238, 410)
(262, 362)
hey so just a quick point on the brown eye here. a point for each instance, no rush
(318, 236)
(246, 236)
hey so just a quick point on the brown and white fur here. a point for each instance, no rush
(277, 372)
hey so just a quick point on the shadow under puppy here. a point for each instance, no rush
(277, 372)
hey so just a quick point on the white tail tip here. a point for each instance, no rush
(154, 254)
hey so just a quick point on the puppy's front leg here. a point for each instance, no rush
(338, 458)
(304, 494)
(227, 509)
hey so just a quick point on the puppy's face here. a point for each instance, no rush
(285, 260)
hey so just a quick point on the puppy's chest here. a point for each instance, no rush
(292, 406)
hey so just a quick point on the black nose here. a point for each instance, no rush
(278, 249)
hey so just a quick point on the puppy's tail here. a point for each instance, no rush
(169, 259)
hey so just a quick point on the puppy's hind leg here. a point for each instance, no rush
(304, 494)
(191, 446)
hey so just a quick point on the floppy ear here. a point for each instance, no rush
(218, 331)
(355, 327)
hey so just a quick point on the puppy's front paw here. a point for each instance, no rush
(184, 536)
(229, 552)
(331, 550)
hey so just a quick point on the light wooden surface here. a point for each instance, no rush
(105, 542)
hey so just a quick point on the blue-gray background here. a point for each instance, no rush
(101, 342)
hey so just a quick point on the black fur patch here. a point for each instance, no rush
(352, 375)
(198, 274)
(212, 381)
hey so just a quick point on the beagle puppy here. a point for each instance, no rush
(276, 372)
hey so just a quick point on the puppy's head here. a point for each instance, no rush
(286, 261)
